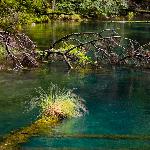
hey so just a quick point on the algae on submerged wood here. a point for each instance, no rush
(56, 104)
(42, 125)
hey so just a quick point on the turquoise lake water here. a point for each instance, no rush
(118, 99)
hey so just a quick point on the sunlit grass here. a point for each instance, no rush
(59, 102)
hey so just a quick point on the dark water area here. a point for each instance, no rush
(46, 34)
(118, 99)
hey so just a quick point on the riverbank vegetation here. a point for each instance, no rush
(45, 10)
(21, 52)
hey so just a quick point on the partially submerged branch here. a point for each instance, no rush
(87, 49)
(100, 49)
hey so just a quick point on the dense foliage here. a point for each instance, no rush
(92, 7)
(15, 13)
(39, 10)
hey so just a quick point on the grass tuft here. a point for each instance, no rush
(62, 103)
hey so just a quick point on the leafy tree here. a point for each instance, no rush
(103, 7)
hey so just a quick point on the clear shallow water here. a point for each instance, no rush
(118, 99)
(118, 103)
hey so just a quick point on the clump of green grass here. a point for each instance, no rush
(62, 103)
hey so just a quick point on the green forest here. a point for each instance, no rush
(45, 10)
(17, 13)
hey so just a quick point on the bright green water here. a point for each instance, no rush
(118, 99)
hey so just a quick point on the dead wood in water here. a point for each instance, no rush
(19, 49)
(85, 49)
(105, 136)
(100, 49)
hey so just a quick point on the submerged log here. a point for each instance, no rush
(53, 110)
(12, 141)
(106, 136)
